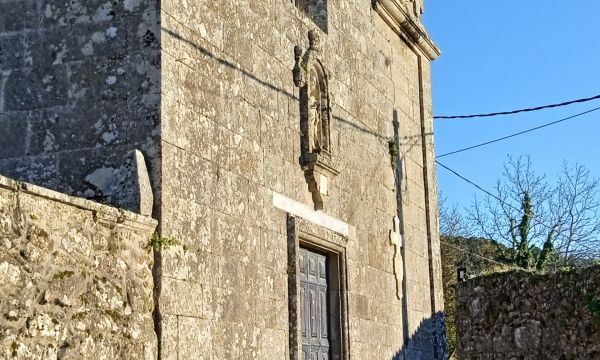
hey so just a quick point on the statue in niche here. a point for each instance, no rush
(313, 80)
(315, 118)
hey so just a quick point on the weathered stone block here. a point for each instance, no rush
(180, 297)
(195, 336)
(13, 135)
(99, 127)
(18, 15)
(126, 185)
(37, 170)
(12, 51)
(32, 89)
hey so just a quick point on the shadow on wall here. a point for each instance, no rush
(266, 84)
(428, 342)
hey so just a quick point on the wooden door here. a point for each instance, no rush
(314, 309)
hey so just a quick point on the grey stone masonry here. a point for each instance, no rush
(247, 112)
(518, 315)
(79, 88)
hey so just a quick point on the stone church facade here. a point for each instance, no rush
(289, 147)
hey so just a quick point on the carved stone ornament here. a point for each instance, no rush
(396, 241)
(315, 120)
(418, 7)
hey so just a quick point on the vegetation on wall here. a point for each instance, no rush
(394, 149)
(593, 305)
(159, 242)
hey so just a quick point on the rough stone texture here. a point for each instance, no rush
(79, 88)
(210, 99)
(75, 278)
(230, 138)
(127, 186)
(518, 315)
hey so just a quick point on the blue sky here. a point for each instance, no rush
(505, 55)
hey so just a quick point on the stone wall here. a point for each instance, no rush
(519, 315)
(231, 143)
(75, 278)
(79, 88)
(205, 89)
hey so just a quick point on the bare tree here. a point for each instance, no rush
(452, 220)
(576, 208)
(535, 219)
(495, 216)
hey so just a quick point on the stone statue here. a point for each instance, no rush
(315, 116)
(316, 124)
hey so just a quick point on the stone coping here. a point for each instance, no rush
(395, 15)
(104, 212)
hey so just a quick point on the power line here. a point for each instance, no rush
(469, 181)
(594, 251)
(520, 110)
(518, 133)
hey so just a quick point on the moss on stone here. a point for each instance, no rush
(63, 275)
(78, 316)
(14, 346)
(394, 149)
(114, 315)
(593, 305)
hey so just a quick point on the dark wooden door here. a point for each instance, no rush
(314, 309)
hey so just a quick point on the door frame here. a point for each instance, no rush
(302, 233)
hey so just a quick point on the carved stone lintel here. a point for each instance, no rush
(396, 241)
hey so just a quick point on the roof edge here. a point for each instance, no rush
(395, 15)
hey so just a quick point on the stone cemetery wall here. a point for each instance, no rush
(75, 278)
(79, 88)
(519, 315)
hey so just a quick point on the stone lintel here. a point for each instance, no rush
(395, 15)
(317, 217)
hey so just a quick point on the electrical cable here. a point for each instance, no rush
(518, 133)
(593, 251)
(520, 110)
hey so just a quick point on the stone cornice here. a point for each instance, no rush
(395, 15)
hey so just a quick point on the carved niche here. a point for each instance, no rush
(315, 120)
